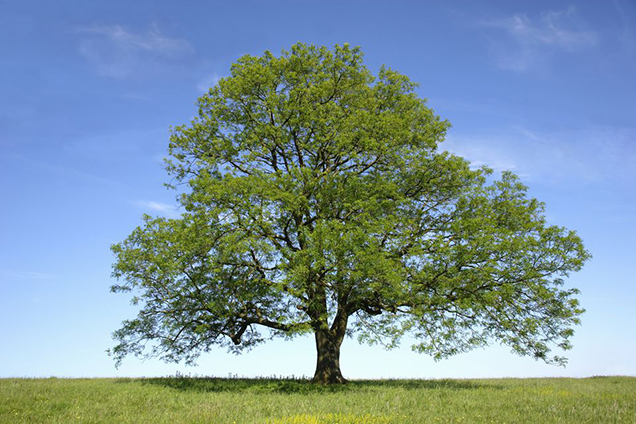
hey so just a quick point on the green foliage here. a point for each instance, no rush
(316, 200)
(228, 401)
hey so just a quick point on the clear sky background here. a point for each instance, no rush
(88, 91)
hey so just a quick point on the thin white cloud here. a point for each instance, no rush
(208, 81)
(529, 43)
(65, 172)
(169, 211)
(153, 41)
(117, 52)
(584, 155)
(627, 38)
(548, 31)
(26, 275)
(116, 144)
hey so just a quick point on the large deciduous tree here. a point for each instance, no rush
(315, 200)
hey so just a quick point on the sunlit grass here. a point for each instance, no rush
(275, 401)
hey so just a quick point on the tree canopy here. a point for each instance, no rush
(315, 200)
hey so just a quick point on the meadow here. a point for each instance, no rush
(289, 401)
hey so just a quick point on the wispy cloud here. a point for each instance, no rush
(584, 155)
(26, 275)
(627, 38)
(118, 52)
(169, 211)
(116, 144)
(208, 81)
(530, 43)
(67, 172)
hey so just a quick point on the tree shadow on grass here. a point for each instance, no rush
(298, 386)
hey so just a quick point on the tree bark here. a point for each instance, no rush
(328, 358)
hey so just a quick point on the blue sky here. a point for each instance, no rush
(88, 91)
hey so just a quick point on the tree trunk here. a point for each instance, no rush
(328, 358)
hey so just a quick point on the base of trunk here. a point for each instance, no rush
(328, 362)
(328, 377)
(328, 344)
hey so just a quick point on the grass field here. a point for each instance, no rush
(217, 400)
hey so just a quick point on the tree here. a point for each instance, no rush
(316, 201)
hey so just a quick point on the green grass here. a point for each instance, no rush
(216, 400)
